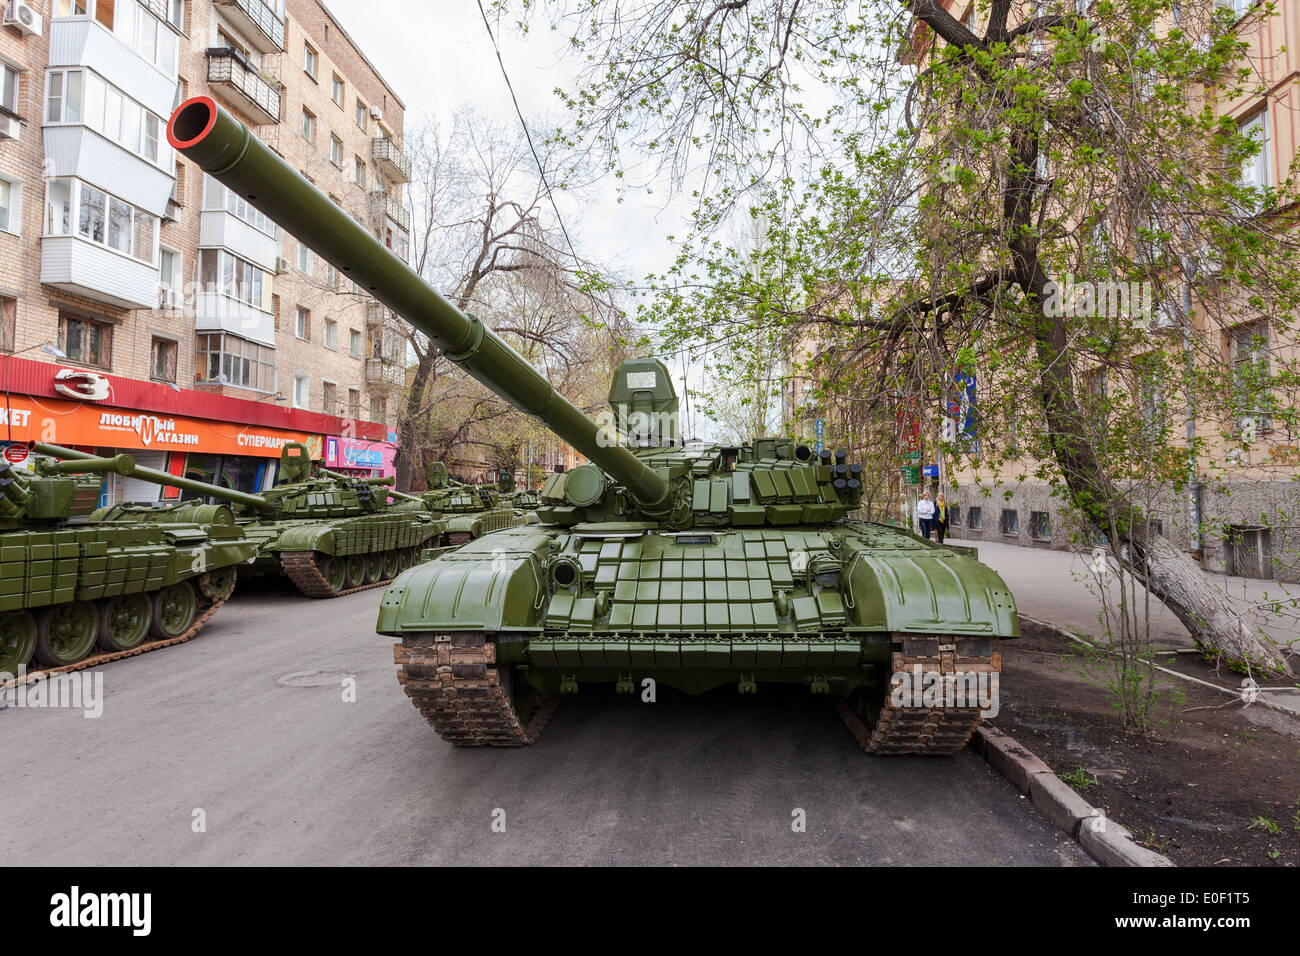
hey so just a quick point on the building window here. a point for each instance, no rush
(360, 176)
(301, 391)
(1250, 376)
(10, 206)
(1249, 551)
(336, 151)
(975, 518)
(86, 341)
(336, 89)
(302, 324)
(309, 60)
(162, 360)
(329, 398)
(176, 14)
(378, 408)
(1256, 170)
(1040, 526)
(354, 403)
(8, 322)
(1151, 396)
(1010, 523)
(331, 276)
(331, 334)
(954, 515)
(9, 89)
(362, 115)
(100, 218)
(306, 261)
(308, 125)
(354, 343)
(234, 277)
(169, 278)
(218, 197)
(135, 24)
(225, 359)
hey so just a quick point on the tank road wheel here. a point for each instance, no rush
(374, 567)
(217, 586)
(174, 609)
(17, 640)
(392, 565)
(65, 633)
(124, 621)
(408, 557)
(356, 570)
(333, 570)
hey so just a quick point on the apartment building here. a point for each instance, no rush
(146, 309)
(1247, 503)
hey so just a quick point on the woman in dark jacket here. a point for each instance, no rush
(941, 514)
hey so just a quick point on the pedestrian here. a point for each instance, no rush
(940, 517)
(925, 514)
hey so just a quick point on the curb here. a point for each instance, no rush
(1104, 840)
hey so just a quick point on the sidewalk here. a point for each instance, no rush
(1057, 587)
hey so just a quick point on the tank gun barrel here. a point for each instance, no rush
(118, 465)
(83, 460)
(222, 146)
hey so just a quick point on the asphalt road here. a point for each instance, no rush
(285, 772)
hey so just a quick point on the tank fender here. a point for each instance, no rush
(312, 537)
(928, 591)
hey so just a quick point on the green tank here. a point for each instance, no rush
(328, 533)
(691, 564)
(467, 511)
(72, 577)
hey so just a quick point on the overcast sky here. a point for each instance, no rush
(436, 55)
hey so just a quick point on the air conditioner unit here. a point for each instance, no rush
(169, 298)
(376, 113)
(9, 127)
(1207, 262)
(281, 265)
(24, 17)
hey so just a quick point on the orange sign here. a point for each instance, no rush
(71, 423)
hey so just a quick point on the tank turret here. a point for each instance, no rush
(692, 563)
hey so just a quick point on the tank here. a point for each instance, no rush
(328, 533)
(467, 511)
(660, 561)
(72, 579)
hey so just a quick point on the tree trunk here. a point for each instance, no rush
(409, 424)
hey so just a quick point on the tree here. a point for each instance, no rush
(942, 211)
(485, 236)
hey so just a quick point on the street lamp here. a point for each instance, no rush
(50, 349)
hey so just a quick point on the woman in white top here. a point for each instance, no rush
(925, 514)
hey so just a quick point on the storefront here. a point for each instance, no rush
(359, 457)
(231, 454)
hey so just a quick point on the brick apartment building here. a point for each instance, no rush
(144, 308)
(1249, 510)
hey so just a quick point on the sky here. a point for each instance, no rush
(436, 55)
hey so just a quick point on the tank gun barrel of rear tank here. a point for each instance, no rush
(223, 147)
(118, 465)
(84, 461)
(385, 480)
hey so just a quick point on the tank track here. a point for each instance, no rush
(454, 683)
(931, 731)
(300, 566)
(105, 657)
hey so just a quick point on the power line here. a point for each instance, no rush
(527, 135)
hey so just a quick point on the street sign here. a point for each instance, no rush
(821, 435)
(930, 471)
(912, 474)
(17, 452)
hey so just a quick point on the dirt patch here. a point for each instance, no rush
(1217, 786)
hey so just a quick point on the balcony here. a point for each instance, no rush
(385, 373)
(89, 269)
(234, 80)
(390, 159)
(257, 21)
(219, 229)
(215, 311)
(384, 206)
